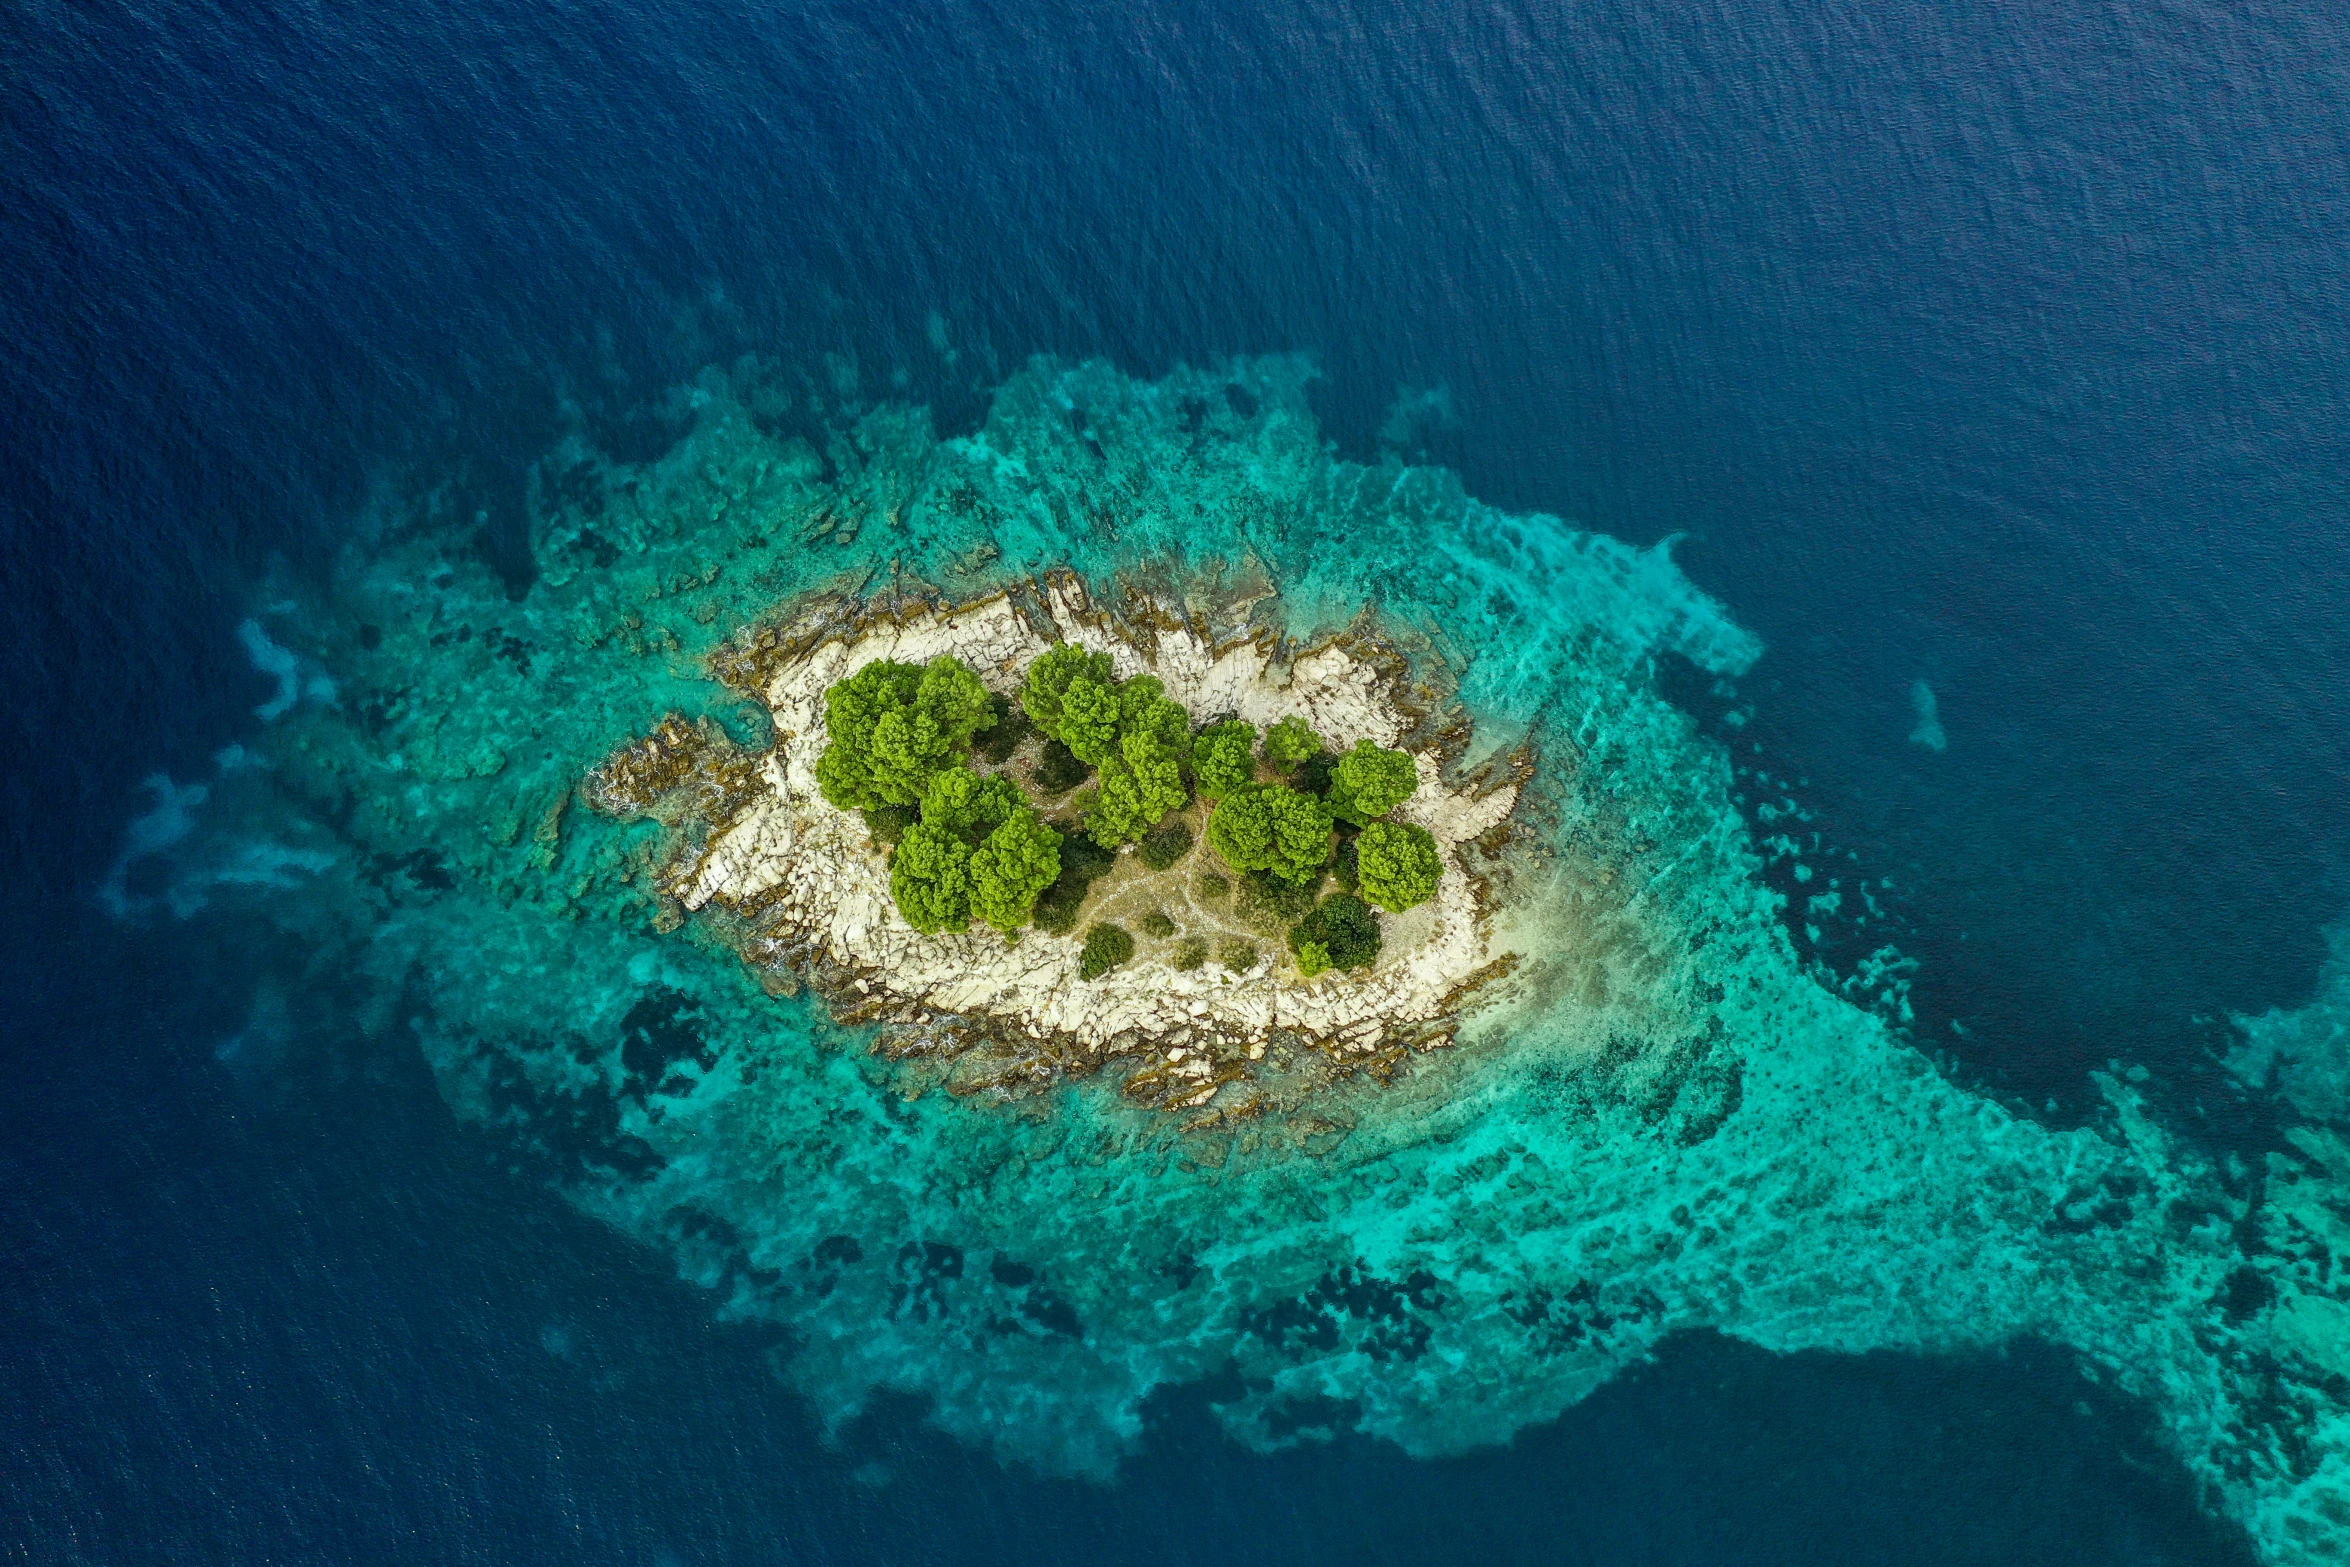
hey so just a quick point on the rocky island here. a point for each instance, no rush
(1033, 897)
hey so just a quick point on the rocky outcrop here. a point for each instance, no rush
(811, 888)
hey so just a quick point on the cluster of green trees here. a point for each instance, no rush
(979, 849)
(892, 726)
(1135, 738)
(967, 845)
(1289, 828)
(900, 737)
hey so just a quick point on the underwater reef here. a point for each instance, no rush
(1667, 1121)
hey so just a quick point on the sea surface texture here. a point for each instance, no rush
(1885, 467)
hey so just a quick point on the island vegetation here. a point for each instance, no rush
(1006, 812)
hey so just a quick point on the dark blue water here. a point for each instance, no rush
(2002, 346)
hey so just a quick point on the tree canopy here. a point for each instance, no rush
(962, 802)
(1097, 716)
(1369, 781)
(1398, 865)
(1018, 860)
(1341, 932)
(1090, 712)
(970, 844)
(1267, 827)
(1144, 708)
(1129, 731)
(889, 727)
(1139, 787)
(1048, 678)
(1290, 742)
(930, 879)
(1223, 757)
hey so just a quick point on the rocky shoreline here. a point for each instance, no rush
(801, 890)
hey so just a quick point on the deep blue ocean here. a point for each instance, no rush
(2002, 346)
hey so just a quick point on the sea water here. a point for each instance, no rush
(1951, 370)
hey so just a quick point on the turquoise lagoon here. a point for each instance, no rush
(1676, 1123)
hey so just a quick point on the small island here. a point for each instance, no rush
(1029, 836)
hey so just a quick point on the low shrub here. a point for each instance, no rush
(1058, 906)
(1270, 904)
(1156, 924)
(1106, 946)
(1166, 843)
(888, 823)
(1190, 954)
(1082, 863)
(1341, 932)
(1057, 769)
(1237, 954)
(1316, 774)
(1213, 886)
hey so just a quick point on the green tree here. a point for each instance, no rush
(1144, 708)
(844, 775)
(1048, 680)
(1223, 757)
(930, 879)
(1139, 787)
(1369, 781)
(951, 696)
(852, 709)
(962, 802)
(890, 726)
(1090, 719)
(1341, 932)
(1019, 860)
(1290, 742)
(1398, 865)
(908, 747)
(1265, 827)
